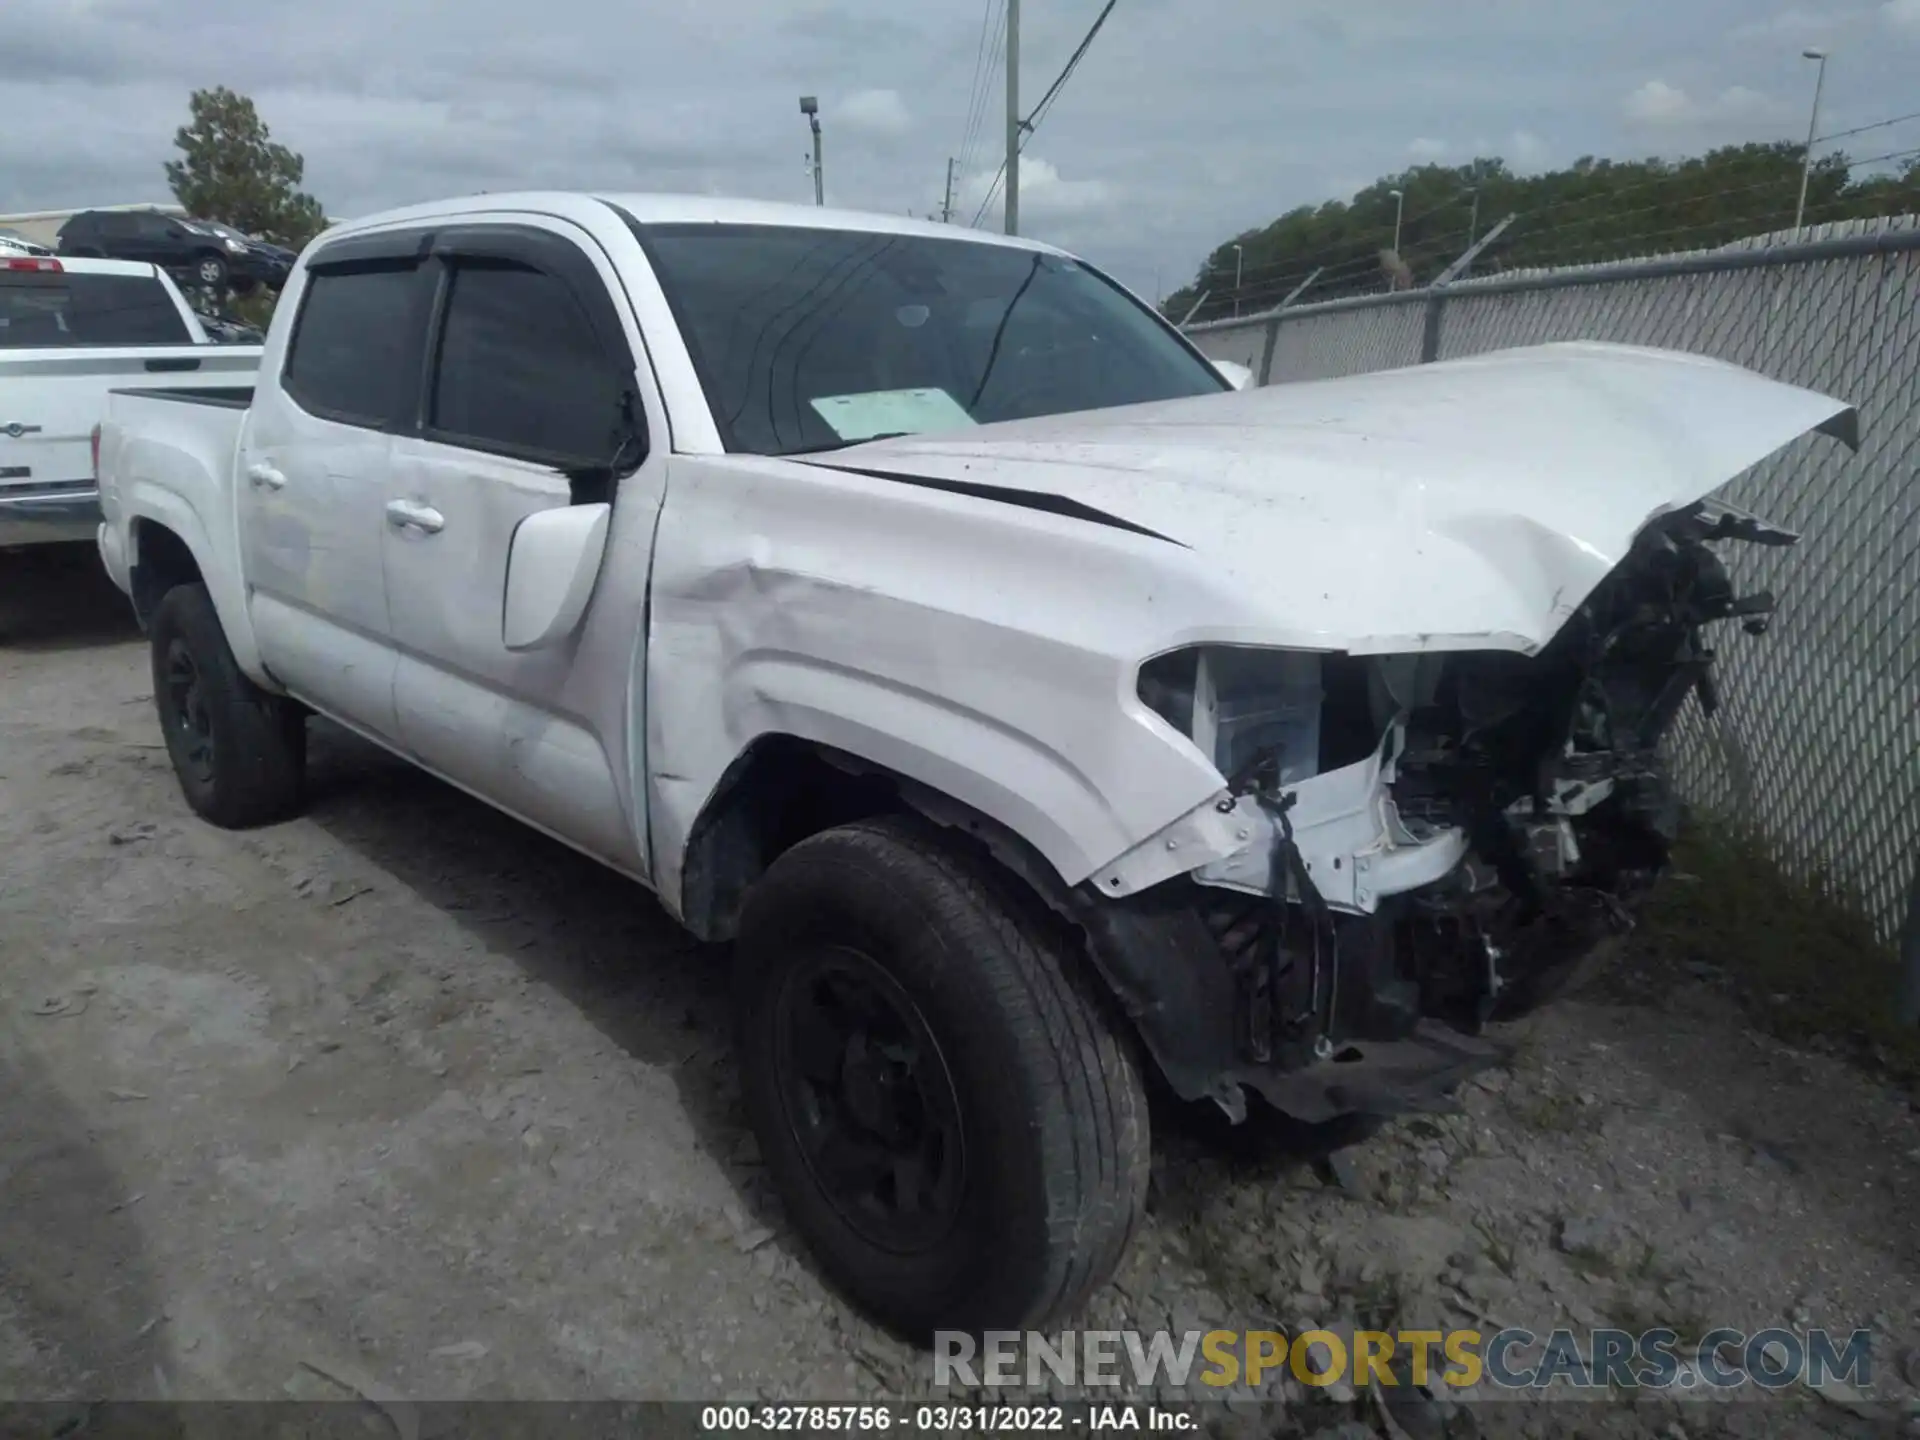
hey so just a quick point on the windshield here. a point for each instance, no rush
(810, 339)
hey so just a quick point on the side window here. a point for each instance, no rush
(520, 369)
(355, 351)
(112, 226)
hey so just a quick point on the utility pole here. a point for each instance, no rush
(1013, 117)
(1813, 126)
(946, 205)
(810, 107)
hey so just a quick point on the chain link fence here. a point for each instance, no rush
(1817, 745)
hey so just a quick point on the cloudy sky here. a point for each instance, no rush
(1189, 121)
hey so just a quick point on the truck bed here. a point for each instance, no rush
(50, 399)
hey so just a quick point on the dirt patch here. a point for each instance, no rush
(403, 1090)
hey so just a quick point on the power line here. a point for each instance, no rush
(1038, 113)
(1073, 60)
(985, 60)
(1863, 129)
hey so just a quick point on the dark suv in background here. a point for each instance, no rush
(203, 253)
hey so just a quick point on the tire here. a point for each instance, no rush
(1035, 1178)
(238, 752)
(210, 271)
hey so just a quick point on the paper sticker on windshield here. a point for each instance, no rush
(891, 412)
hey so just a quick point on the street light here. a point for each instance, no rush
(810, 107)
(1239, 266)
(1399, 214)
(1813, 125)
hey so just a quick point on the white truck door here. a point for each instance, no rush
(311, 476)
(532, 373)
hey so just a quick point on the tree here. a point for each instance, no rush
(234, 173)
(1592, 211)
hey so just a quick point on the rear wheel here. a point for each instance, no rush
(957, 1132)
(238, 752)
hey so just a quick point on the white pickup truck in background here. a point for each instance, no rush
(920, 611)
(70, 331)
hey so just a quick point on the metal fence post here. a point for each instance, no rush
(1430, 336)
(1266, 351)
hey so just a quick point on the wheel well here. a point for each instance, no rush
(161, 561)
(776, 793)
(781, 789)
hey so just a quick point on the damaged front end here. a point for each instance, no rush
(1410, 845)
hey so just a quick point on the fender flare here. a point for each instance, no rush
(154, 503)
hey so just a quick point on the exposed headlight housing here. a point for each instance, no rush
(237, 247)
(1241, 703)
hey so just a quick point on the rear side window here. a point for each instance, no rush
(520, 369)
(355, 350)
(40, 308)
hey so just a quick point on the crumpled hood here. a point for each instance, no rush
(1467, 504)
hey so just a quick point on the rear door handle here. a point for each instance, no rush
(405, 515)
(262, 474)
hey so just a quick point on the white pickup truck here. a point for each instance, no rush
(70, 330)
(920, 611)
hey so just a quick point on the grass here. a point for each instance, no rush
(1801, 958)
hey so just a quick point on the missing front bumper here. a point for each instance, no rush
(1355, 848)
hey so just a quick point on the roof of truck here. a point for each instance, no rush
(654, 209)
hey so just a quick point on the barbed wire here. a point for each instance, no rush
(1863, 129)
(1299, 268)
(1531, 231)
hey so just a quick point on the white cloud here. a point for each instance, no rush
(1427, 148)
(1527, 152)
(1044, 193)
(1658, 103)
(1902, 16)
(881, 112)
(1660, 106)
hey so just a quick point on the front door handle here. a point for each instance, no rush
(405, 515)
(260, 474)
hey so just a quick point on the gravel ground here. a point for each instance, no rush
(400, 1097)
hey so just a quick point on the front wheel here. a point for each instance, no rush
(238, 752)
(210, 271)
(956, 1130)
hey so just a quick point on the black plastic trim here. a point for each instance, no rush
(1007, 495)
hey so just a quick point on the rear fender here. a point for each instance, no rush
(164, 485)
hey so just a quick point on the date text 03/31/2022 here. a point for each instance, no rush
(944, 1419)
